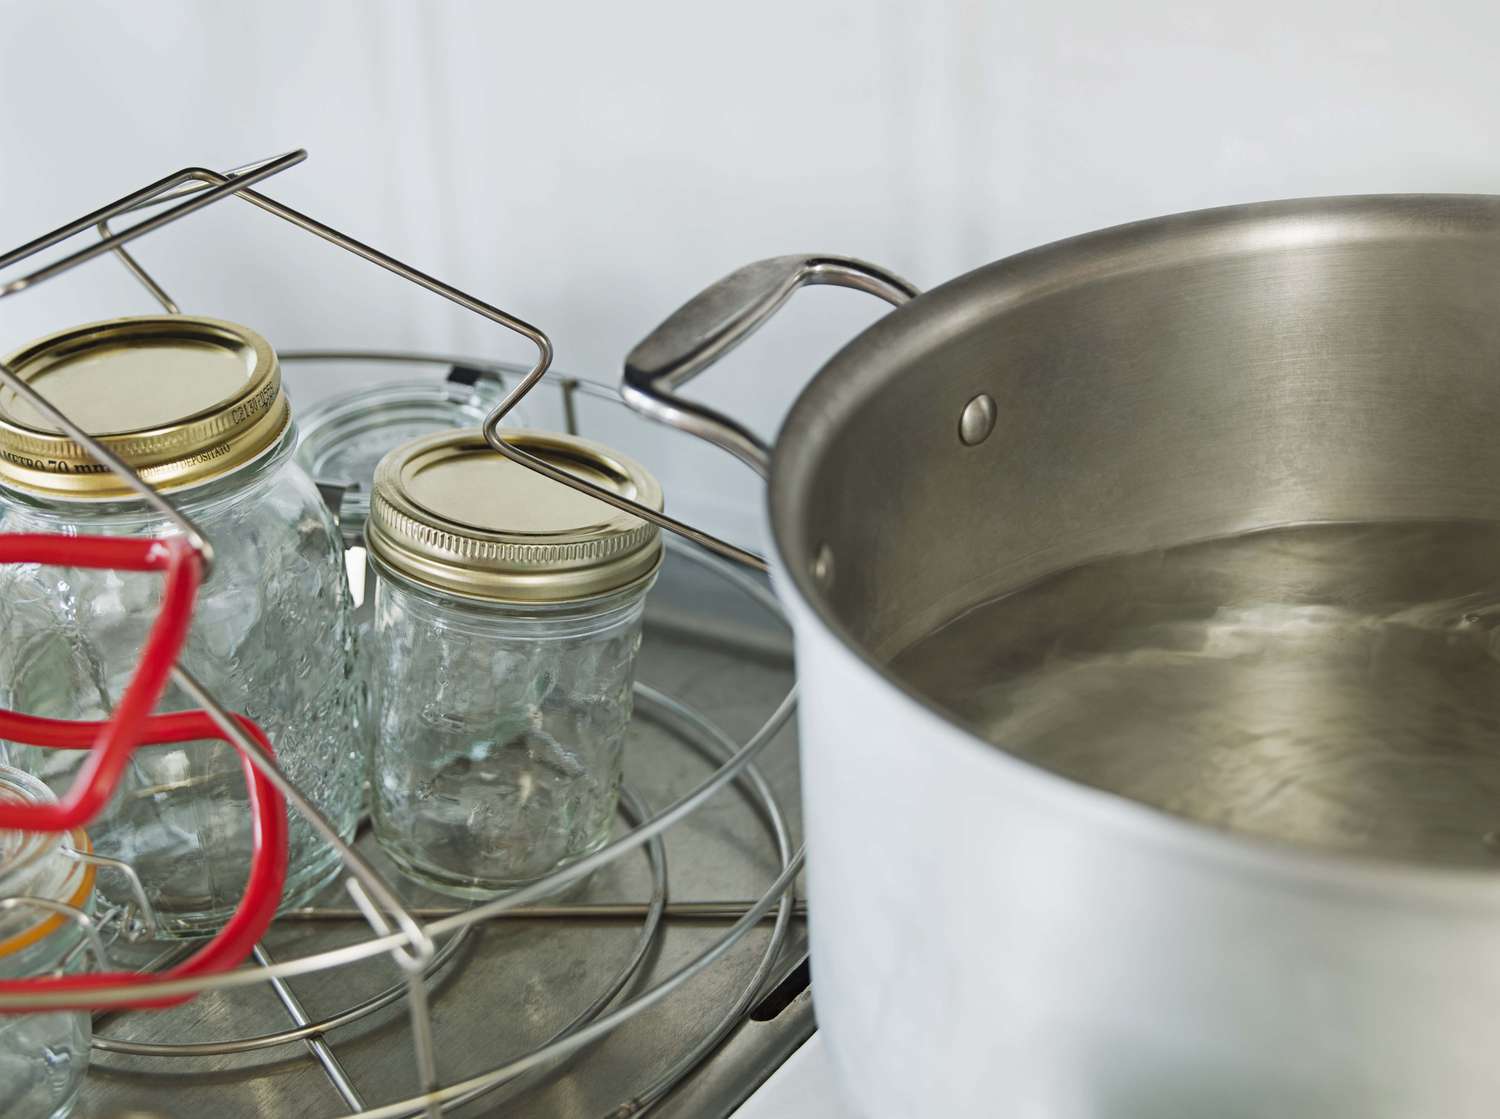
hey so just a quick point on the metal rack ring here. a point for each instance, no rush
(634, 810)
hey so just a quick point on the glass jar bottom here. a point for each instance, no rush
(177, 920)
(410, 862)
(42, 1061)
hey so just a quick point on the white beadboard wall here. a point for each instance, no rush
(589, 166)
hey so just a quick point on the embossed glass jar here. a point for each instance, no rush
(196, 406)
(42, 1056)
(507, 618)
(343, 437)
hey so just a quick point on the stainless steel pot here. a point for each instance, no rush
(992, 939)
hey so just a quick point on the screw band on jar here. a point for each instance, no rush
(452, 514)
(181, 399)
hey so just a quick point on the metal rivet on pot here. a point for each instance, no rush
(977, 420)
(822, 566)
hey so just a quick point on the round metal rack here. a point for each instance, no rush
(425, 944)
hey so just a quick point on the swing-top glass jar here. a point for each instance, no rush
(506, 622)
(196, 406)
(42, 1055)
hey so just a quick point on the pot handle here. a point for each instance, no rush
(718, 319)
(691, 339)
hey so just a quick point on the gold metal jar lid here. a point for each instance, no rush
(451, 513)
(181, 399)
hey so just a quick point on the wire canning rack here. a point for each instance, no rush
(421, 942)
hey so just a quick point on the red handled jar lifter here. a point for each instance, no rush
(111, 741)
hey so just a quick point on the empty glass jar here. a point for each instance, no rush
(344, 437)
(42, 1056)
(506, 622)
(196, 406)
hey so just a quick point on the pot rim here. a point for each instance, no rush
(879, 353)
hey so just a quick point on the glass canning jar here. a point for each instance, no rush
(196, 406)
(42, 1056)
(507, 617)
(344, 437)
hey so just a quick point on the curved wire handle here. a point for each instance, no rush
(198, 187)
(695, 336)
(147, 926)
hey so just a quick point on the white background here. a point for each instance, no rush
(590, 166)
